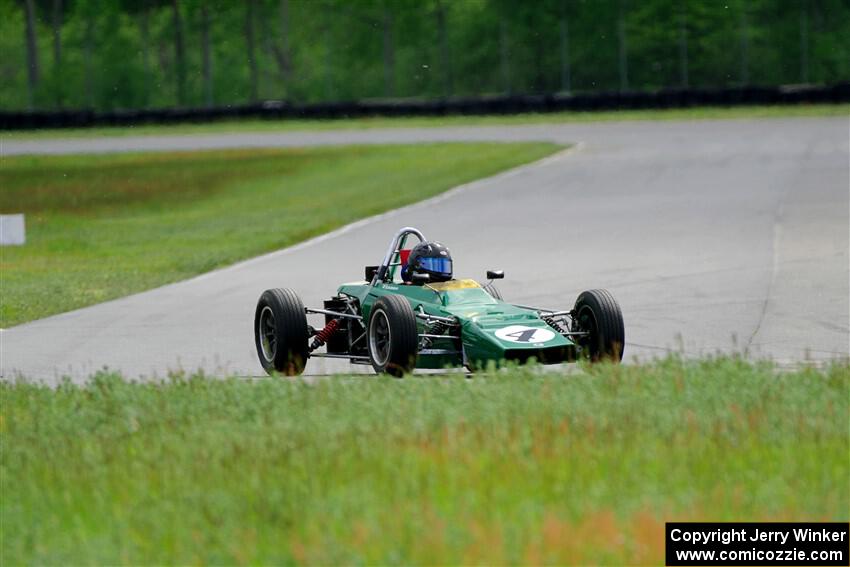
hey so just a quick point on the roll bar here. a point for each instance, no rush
(396, 244)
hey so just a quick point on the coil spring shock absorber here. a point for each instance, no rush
(555, 323)
(435, 328)
(438, 328)
(323, 335)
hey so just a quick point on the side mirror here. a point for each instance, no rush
(370, 272)
(421, 278)
(495, 274)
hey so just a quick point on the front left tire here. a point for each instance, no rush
(280, 332)
(598, 314)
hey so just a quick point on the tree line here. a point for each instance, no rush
(113, 54)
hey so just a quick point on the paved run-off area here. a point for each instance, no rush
(714, 236)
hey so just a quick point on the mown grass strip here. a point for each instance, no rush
(515, 467)
(698, 113)
(104, 226)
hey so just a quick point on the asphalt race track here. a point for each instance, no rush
(714, 235)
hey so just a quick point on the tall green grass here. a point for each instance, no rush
(103, 226)
(520, 466)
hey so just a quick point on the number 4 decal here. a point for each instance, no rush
(523, 334)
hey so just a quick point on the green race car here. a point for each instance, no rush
(410, 312)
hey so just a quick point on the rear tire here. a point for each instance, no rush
(280, 332)
(598, 313)
(393, 336)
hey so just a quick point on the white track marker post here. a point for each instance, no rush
(12, 230)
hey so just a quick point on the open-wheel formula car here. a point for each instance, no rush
(410, 312)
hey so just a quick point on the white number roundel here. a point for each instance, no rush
(523, 334)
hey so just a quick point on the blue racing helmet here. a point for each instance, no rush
(430, 258)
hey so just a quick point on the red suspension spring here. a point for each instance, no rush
(323, 335)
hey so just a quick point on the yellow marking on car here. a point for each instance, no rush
(454, 284)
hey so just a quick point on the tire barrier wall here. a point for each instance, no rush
(496, 104)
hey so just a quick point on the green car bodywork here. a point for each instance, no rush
(481, 317)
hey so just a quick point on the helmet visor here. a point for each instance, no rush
(441, 266)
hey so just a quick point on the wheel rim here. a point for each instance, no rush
(267, 331)
(379, 338)
(587, 323)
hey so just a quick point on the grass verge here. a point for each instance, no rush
(699, 113)
(104, 226)
(515, 467)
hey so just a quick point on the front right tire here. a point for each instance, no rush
(393, 336)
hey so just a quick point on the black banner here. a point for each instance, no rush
(480, 105)
(753, 543)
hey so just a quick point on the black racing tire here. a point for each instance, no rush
(280, 332)
(493, 291)
(393, 338)
(598, 313)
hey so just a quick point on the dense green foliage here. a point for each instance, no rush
(104, 226)
(517, 467)
(109, 54)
